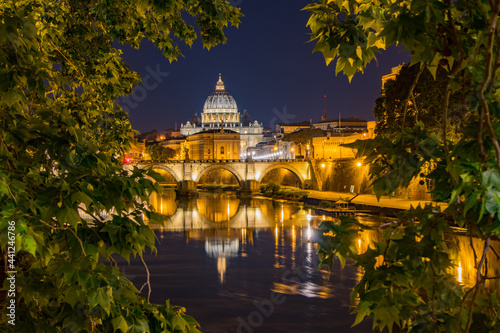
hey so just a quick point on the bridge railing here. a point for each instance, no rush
(223, 161)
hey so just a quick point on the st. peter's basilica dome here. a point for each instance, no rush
(220, 100)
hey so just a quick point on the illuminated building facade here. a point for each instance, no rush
(328, 147)
(392, 75)
(213, 144)
(221, 111)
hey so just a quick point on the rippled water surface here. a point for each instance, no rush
(247, 266)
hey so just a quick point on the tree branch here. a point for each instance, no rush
(71, 230)
(8, 188)
(113, 261)
(410, 92)
(479, 280)
(484, 109)
(50, 226)
(483, 257)
(415, 104)
(87, 212)
(148, 283)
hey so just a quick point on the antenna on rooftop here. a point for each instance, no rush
(324, 117)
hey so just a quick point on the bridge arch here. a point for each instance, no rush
(169, 170)
(231, 169)
(286, 167)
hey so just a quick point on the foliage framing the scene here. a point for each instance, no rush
(407, 282)
(425, 103)
(62, 138)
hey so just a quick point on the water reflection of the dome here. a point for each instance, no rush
(216, 248)
(222, 249)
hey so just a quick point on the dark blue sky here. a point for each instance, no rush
(267, 65)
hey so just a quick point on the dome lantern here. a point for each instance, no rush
(220, 84)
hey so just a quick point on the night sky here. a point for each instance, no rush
(267, 65)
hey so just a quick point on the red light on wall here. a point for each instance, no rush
(127, 160)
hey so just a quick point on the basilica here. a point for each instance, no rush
(220, 113)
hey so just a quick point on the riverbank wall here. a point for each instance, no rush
(368, 202)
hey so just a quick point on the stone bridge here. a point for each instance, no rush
(248, 173)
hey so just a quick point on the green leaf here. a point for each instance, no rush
(103, 298)
(119, 323)
(363, 310)
(492, 205)
(69, 216)
(491, 178)
(81, 197)
(73, 295)
(139, 326)
(359, 52)
(379, 187)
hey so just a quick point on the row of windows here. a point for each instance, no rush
(221, 150)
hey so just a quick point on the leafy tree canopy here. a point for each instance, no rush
(407, 282)
(425, 104)
(64, 196)
(160, 153)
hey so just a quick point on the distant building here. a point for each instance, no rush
(221, 111)
(170, 133)
(273, 150)
(328, 147)
(137, 149)
(213, 144)
(392, 76)
(351, 124)
(284, 129)
(152, 136)
(175, 144)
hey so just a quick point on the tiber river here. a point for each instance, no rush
(247, 266)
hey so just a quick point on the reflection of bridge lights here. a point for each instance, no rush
(257, 213)
(309, 232)
(309, 217)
